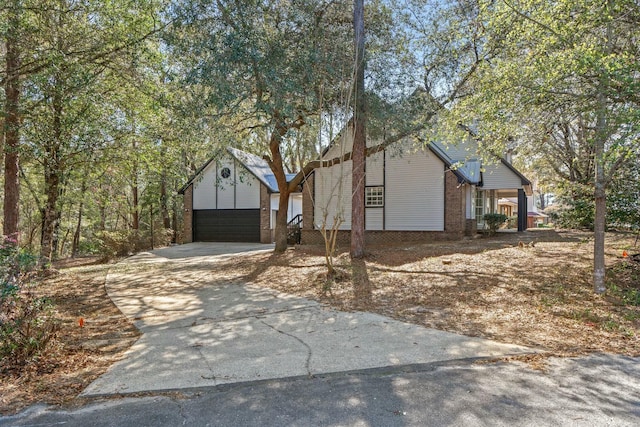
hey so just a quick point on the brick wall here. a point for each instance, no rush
(455, 205)
(187, 218)
(308, 190)
(265, 215)
(381, 237)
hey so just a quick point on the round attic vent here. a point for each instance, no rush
(225, 172)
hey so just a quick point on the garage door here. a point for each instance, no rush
(226, 225)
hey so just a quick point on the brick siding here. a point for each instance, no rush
(265, 215)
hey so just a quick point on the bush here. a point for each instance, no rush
(27, 325)
(127, 242)
(494, 221)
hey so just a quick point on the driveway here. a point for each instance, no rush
(200, 328)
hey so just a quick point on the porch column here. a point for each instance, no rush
(522, 210)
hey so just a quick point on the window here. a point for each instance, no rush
(374, 197)
(225, 172)
(479, 199)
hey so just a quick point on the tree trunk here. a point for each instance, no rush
(76, 235)
(164, 208)
(277, 167)
(359, 138)
(281, 222)
(602, 134)
(52, 183)
(12, 127)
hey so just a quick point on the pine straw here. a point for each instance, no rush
(539, 296)
(78, 355)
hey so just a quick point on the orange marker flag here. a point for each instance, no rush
(624, 254)
(81, 322)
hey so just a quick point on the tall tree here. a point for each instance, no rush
(11, 117)
(359, 135)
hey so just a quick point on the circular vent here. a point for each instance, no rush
(225, 172)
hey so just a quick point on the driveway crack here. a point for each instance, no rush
(309, 351)
(212, 377)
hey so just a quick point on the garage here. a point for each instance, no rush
(233, 197)
(226, 225)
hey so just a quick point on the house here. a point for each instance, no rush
(233, 197)
(434, 192)
(509, 207)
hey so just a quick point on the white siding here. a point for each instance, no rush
(333, 195)
(497, 176)
(414, 192)
(375, 169)
(247, 190)
(374, 218)
(295, 207)
(226, 190)
(212, 191)
(204, 189)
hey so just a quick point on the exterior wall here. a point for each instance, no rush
(497, 176)
(333, 195)
(414, 191)
(265, 216)
(240, 191)
(187, 217)
(455, 205)
(294, 207)
(471, 227)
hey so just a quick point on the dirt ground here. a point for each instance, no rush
(532, 289)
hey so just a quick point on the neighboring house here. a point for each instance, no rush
(413, 193)
(233, 198)
(509, 207)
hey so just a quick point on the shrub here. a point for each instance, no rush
(27, 325)
(127, 242)
(494, 221)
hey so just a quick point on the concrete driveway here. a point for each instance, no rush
(201, 328)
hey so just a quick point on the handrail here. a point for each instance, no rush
(296, 220)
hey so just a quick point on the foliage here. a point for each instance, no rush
(564, 83)
(494, 221)
(27, 324)
(121, 243)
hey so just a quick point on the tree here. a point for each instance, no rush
(55, 52)
(564, 67)
(267, 65)
(359, 135)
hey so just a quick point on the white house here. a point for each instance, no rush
(413, 193)
(234, 197)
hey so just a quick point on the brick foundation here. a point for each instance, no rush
(379, 237)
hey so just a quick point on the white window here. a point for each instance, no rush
(374, 197)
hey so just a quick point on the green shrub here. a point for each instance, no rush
(27, 324)
(494, 221)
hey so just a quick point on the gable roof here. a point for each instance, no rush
(467, 170)
(256, 165)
